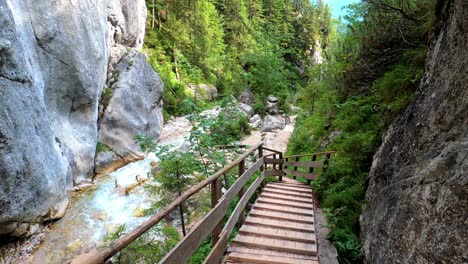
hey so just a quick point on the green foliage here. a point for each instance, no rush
(145, 249)
(375, 64)
(106, 96)
(101, 147)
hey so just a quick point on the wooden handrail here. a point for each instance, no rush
(272, 150)
(311, 154)
(99, 257)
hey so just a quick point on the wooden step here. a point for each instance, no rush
(281, 224)
(277, 244)
(296, 185)
(260, 251)
(289, 193)
(287, 198)
(288, 188)
(285, 203)
(293, 186)
(283, 209)
(278, 233)
(237, 257)
(282, 216)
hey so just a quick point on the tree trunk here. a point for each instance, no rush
(174, 58)
(152, 18)
(181, 211)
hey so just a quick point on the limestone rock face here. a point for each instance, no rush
(52, 70)
(418, 187)
(54, 63)
(134, 108)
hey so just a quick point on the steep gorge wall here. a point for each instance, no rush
(418, 187)
(56, 58)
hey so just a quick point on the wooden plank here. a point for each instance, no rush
(237, 257)
(286, 203)
(259, 251)
(278, 233)
(217, 252)
(276, 244)
(288, 193)
(292, 185)
(289, 188)
(274, 173)
(311, 176)
(283, 224)
(283, 209)
(307, 164)
(282, 216)
(273, 161)
(310, 155)
(101, 256)
(287, 198)
(187, 246)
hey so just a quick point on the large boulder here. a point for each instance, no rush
(271, 123)
(246, 109)
(272, 105)
(134, 109)
(247, 97)
(417, 199)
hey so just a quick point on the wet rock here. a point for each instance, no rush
(272, 105)
(417, 199)
(246, 109)
(7, 228)
(271, 123)
(247, 97)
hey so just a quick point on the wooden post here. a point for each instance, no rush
(274, 165)
(281, 166)
(285, 166)
(241, 220)
(325, 163)
(260, 156)
(311, 169)
(295, 167)
(215, 195)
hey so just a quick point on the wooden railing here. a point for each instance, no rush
(211, 223)
(309, 162)
(270, 164)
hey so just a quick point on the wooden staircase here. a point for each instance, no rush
(280, 228)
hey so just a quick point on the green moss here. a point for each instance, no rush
(101, 147)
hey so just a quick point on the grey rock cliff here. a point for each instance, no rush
(418, 188)
(54, 64)
(135, 108)
(135, 104)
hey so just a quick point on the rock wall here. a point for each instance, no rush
(418, 187)
(56, 57)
